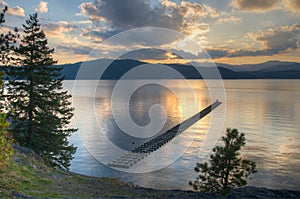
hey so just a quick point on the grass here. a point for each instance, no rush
(26, 176)
(34, 179)
(29, 177)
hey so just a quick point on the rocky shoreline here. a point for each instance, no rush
(248, 192)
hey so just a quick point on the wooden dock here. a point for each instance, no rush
(132, 157)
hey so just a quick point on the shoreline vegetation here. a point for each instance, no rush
(29, 177)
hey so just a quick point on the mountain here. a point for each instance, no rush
(270, 66)
(116, 69)
(282, 67)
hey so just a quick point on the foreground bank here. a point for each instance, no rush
(28, 177)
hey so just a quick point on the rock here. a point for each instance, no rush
(26, 156)
(262, 193)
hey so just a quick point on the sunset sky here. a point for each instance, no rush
(231, 31)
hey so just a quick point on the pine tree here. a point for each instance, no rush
(41, 108)
(225, 169)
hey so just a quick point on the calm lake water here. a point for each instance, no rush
(267, 111)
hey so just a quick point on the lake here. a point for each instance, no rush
(267, 111)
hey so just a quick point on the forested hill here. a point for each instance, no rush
(116, 69)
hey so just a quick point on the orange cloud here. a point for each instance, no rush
(16, 11)
(42, 7)
(58, 29)
(255, 5)
(292, 5)
(267, 5)
(231, 19)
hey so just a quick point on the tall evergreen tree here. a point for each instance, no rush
(41, 108)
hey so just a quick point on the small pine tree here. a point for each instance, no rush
(225, 169)
(41, 109)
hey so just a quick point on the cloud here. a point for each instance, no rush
(292, 5)
(2, 4)
(231, 19)
(91, 11)
(58, 29)
(84, 22)
(42, 7)
(74, 49)
(124, 15)
(267, 5)
(279, 40)
(144, 37)
(283, 39)
(146, 54)
(98, 35)
(255, 5)
(16, 11)
(5, 29)
(218, 53)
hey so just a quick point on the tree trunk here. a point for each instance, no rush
(228, 164)
(30, 116)
(30, 105)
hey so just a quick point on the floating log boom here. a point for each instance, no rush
(132, 157)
